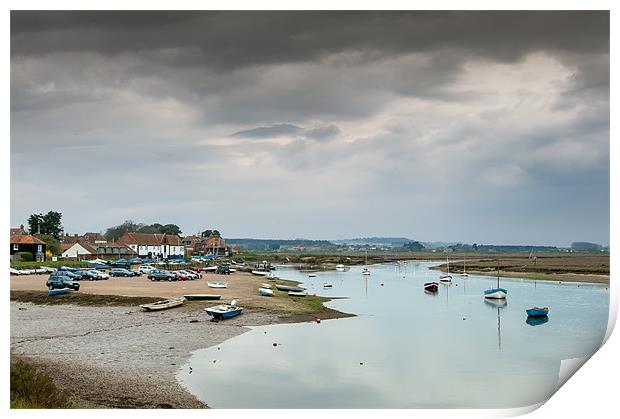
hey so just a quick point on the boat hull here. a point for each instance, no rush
(162, 305)
(202, 297)
(265, 292)
(537, 312)
(217, 284)
(297, 293)
(288, 288)
(58, 291)
(496, 293)
(221, 315)
(431, 286)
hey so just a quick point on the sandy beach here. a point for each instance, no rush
(122, 357)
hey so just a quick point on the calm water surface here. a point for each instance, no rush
(405, 348)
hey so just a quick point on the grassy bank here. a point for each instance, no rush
(33, 389)
(82, 299)
(49, 264)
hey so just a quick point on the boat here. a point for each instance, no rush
(260, 273)
(365, 271)
(431, 286)
(297, 293)
(537, 311)
(289, 288)
(327, 285)
(163, 304)
(268, 286)
(311, 275)
(224, 311)
(464, 273)
(58, 291)
(265, 292)
(446, 277)
(232, 270)
(340, 267)
(496, 293)
(218, 284)
(210, 268)
(202, 297)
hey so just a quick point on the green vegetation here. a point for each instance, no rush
(210, 233)
(48, 263)
(25, 256)
(52, 243)
(31, 389)
(49, 223)
(115, 232)
(41, 297)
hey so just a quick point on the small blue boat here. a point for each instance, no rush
(537, 311)
(58, 291)
(224, 311)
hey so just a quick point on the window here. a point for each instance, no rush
(15, 246)
(39, 248)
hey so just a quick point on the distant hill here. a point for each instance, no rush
(393, 241)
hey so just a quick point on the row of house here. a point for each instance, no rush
(129, 245)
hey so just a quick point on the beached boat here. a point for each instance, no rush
(210, 268)
(431, 286)
(232, 270)
(340, 267)
(268, 286)
(58, 291)
(327, 285)
(265, 292)
(224, 311)
(163, 304)
(217, 284)
(260, 273)
(202, 297)
(297, 293)
(289, 288)
(496, 293)
(537, 311)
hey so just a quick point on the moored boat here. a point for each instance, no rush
(289, 288)
(537, 311)
(260, 273)
(163, 304)
(202, 297)
(217, 284)
(340, 267)
(431, 286)
(327, 285)
(224, 311)
(311, 275)
(58, 291)
(496, 293)
(265, 292)
(446, 277)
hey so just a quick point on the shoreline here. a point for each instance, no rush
(538, 276)
(119, 356)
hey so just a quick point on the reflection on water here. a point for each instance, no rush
(406, 348)
(536, 320)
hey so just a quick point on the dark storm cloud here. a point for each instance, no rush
(503, 116)
(231, 39)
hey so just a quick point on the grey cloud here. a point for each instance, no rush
(322, 133)
(271, 131)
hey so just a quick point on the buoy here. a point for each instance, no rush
(318, 320)
(275, 344)
(361, 363)
(382, 284)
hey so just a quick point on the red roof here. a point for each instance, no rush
(25, 239)
(150, 239)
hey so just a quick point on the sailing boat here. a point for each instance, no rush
(446, 278)
(496, 293)
(365, 271)
(464, 273)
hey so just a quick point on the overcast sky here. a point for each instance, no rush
(487, 127)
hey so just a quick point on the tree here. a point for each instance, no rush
(52, 243)
(585, 247)
(210, 233)
(170, 229)
(414, 246)
(49, 223)
(115, 233)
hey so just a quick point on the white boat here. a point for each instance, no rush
(218, 284)
(496, 293)
(224, 311)
(365, 271)
(231, 270)
(163, 304)
(297, 293)
(311, 275)
(340, 267)
(260, 273)
(265, 292)
(210, 268)
(327, 285)
(446, 277)
(464, 273)
(268, 286)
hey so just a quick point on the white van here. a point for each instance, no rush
(146, 269)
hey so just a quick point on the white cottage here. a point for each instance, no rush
(158, 246)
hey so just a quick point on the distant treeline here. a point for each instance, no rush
(275, 244)
(393, 241)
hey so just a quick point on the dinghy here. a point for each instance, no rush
(289, 288)
(224, 311)
(311, 275)
(537, 311)
(260, 273)
(297, 293)
(340, 267)
(431, 286)
(218, 284)
(265, 292)
(202, 297)
(58, 291)
(163, 304)
(327, 285)
(268, 286)
(496, 293)
(446, 278)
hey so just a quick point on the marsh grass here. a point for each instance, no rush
(32, 389)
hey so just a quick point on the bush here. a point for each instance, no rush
(25, 256)
(31, 389)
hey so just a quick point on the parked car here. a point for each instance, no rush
(68, 268)
(161, 275)
(123, 272)
(91, 275)
(182, 276)
(58, 282)
(223, 269)
(104, 275)
(145, 269)
(192, 274)
(76, 276)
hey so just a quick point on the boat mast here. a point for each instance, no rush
(448, 263)
(498, 273)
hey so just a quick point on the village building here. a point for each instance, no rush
(85, 238)
(158, 246)
(89, 251)
(20, 231)
(28, 243)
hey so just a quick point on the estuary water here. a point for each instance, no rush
(406, 348)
